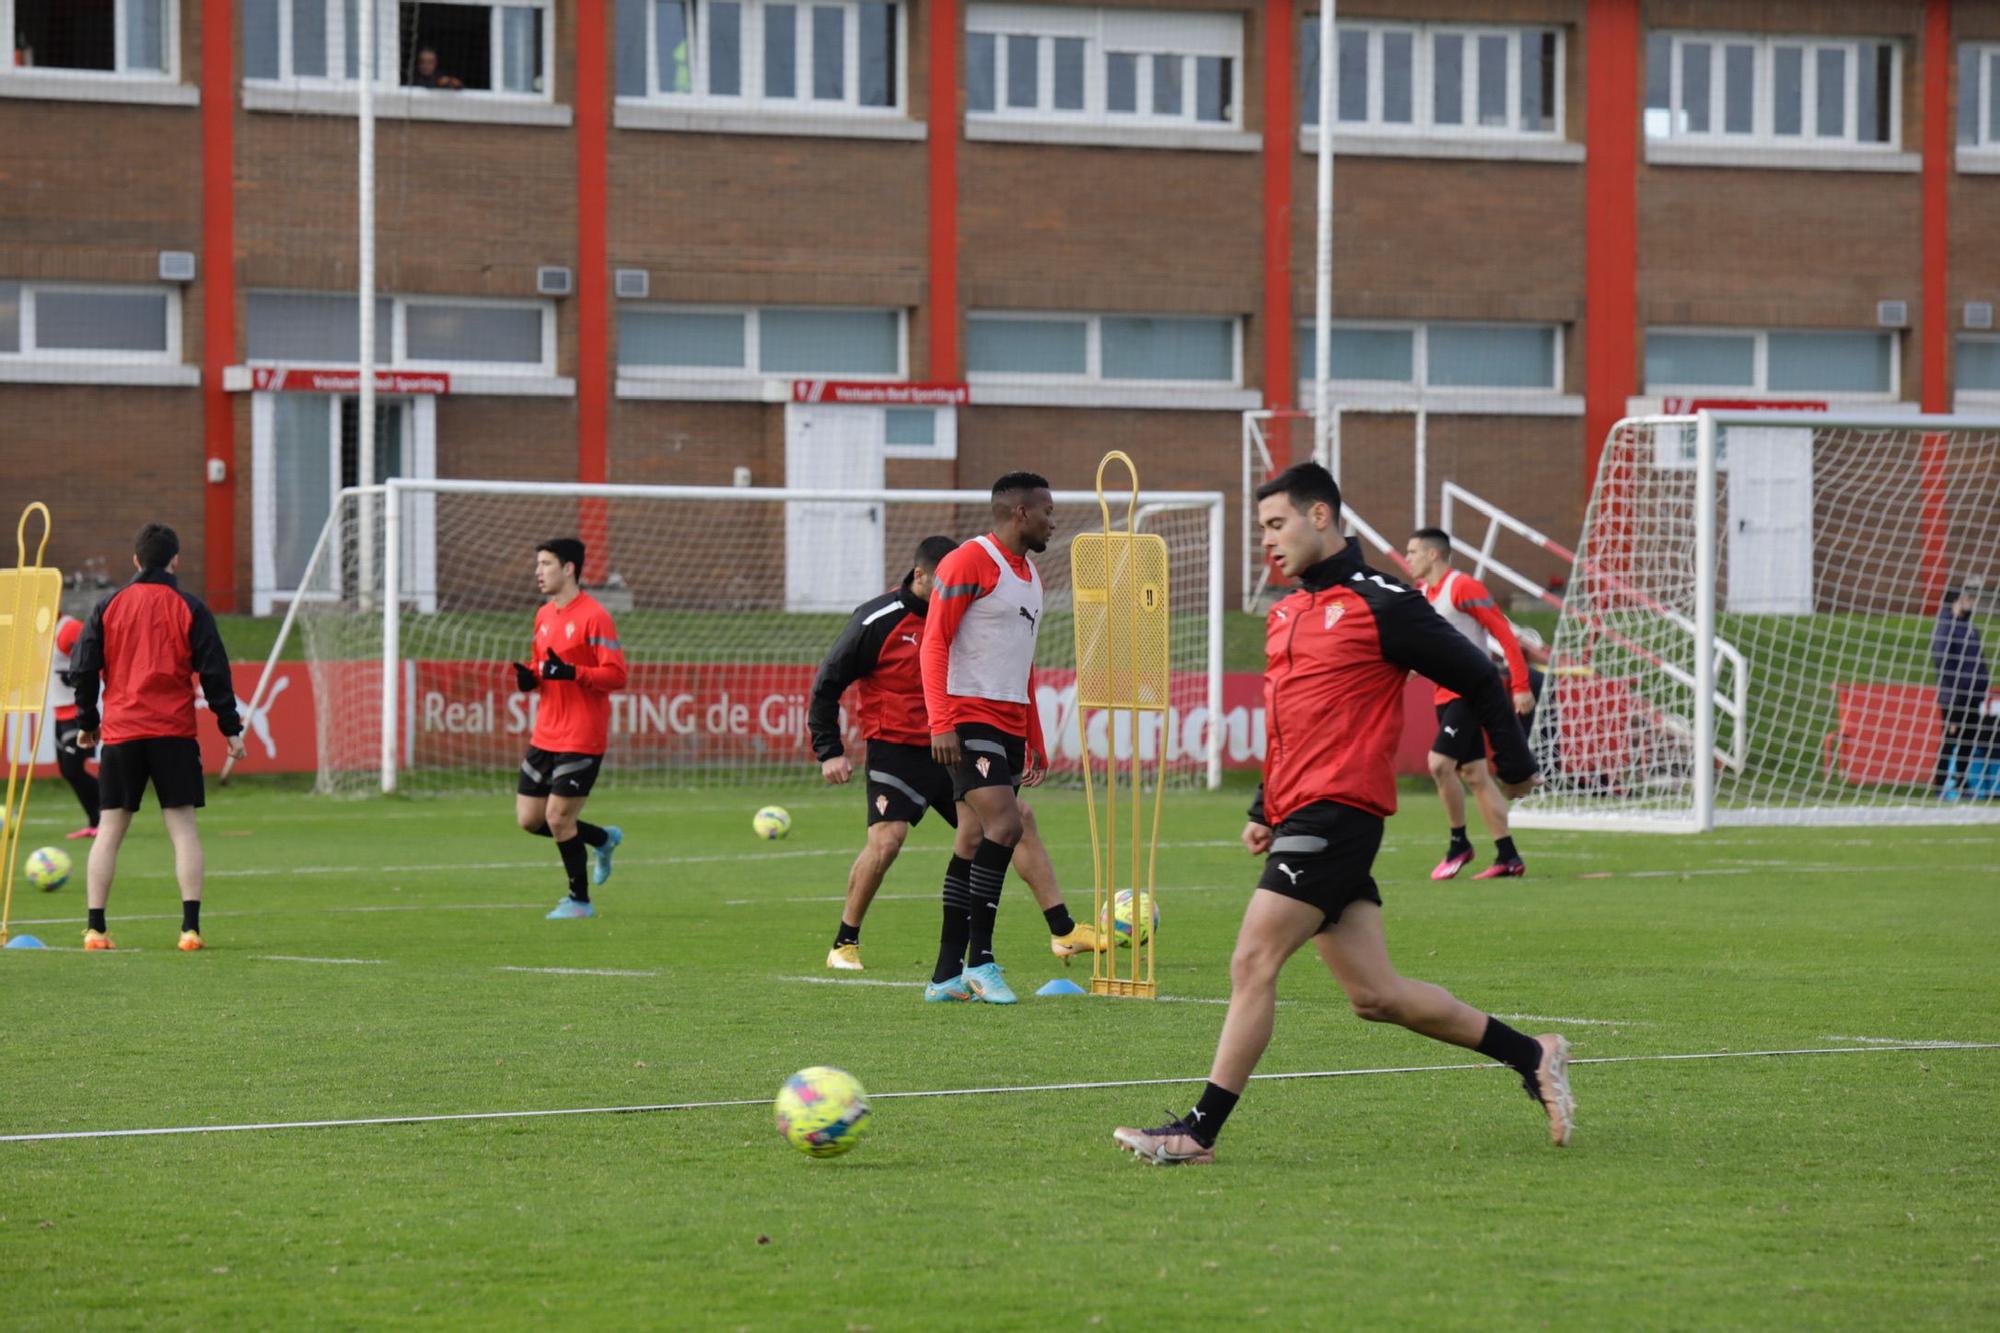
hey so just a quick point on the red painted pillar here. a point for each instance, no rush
(1612, 78)
(1934, 330)
(942, 16)
(593, 303)
(1280, 154)
(218, 278)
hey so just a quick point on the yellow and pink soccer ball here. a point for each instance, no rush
(1121, 919)
(772, 822)
(822, 1111)
(47, 868)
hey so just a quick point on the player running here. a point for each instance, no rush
(879, 652)
(1458, 752)
(978, 668)
(1337, 651)
(577, 665)
(72, 760)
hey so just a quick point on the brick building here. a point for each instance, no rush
(630, 227)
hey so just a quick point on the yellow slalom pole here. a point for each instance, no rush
(30, 602)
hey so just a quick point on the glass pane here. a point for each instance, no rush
(910, 427)
(1167, 85)
(678, 338)
(878, 55)
(1397, 77)
(725, 50)
(1739, 88)
(860, 342)
(145, 35)
(1351, 74)
(1069, 73)
(1023, 71)
(260, 39)
(10, 317)
(1213, 90)
(100, 321)
(1978, 361)
(1788, 84)
(1492, 357)
(1992, 91)
(670, 39)
(1878, 77)
(1121, 82)
(312, 329)
(510, 334)
(520, 49)
(1829, 362)
(1538, 81)
(1309, 72)
(302, 477)
(829, 53)
(1969, 99)
(1137, 348)
(1830, 99)
(1695, 90)
(781, 50)
(350, 40)
(1448, 79)
(309, 39)
(980, 49)
(1659, 85)
(1026, 346)
(1493, 82)
(1375, 355)
(1708, 360)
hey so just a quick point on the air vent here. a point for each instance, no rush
(1892, 314)
(552, 280)
(633, 284)
(176, 266)
(1978, 314)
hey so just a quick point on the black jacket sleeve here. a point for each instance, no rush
(852, 656)
(211, 663)
(86, 666)
(1256, 810)
(1417, 637)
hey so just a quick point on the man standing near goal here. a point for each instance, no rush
(1458, 751)
(1337, 652)
(880, 651)
(577, 665)
(978, 668)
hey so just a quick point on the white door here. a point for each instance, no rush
(833, 552)
(1770, 526)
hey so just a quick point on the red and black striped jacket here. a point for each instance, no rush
(878, 650)
(1336, 652)
(148, 641)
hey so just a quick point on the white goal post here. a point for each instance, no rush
(1749, 632)
(726, 599)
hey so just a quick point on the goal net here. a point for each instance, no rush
(1748, 632)
(726, 600)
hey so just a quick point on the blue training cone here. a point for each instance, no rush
(1062, 986)
(25, 942)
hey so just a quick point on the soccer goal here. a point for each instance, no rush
(1747, 633)
(726, 599)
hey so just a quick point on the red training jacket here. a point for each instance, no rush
(148, 640)
(879, 653)
(574, 716)
(1467, 597)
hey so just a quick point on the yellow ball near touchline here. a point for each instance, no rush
(47, 868)
(821, 1111)
(773, 821)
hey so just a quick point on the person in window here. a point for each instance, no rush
(1963, 680)
(427, 74)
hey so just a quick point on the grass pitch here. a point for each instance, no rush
(1850, 1190)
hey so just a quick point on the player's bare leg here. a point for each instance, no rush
(1492, 803)
(101, 869)
(189, 866)
(1067, 936)
(885, 840)
(1445, 773)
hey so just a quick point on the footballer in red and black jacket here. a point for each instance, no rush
(1338, 650)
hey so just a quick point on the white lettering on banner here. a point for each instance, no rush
(1186, 733)
(457, 717)
(782, 715)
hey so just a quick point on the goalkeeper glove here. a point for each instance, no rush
(554, 668)
(524, 677)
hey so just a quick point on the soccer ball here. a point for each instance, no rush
(772, 822)
(1121, 916)
(822, 1110)
(47, 868)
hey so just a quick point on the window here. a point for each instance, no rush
(439, 44)
(688, 340)
(1782, 92)
(1978, 359)
(1829, 363)
(1111, 66)
(508, 337)
(1430, 79)
(63, 322)
(1978, 96)
(1103, 348)
(131, 38)
(1438, 356)
(829, 55)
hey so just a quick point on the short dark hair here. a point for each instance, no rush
(931, 551)
(156, 546)
(1014, 488)
(1435, 538)
(1305, 485)
(567, 551)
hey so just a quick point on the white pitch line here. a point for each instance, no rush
(1906, 1043)
(299, 958)
(1000, 1090)
(579, 971)
(1585, 1022)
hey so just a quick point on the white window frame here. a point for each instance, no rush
(1423, 82)
(1144, 34)
(753, 97)
(31, 352)
(753, 345)
(170, 40)
(388, 52)
(1093, 350)
(1764, 103)
(1420, 360)
(1761, 367)
(1977, 396)
(1984, 140)
(394, 356)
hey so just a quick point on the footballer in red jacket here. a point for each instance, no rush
(575, 664)
(1337, 652)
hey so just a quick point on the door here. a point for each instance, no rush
(833, 552)
(1770, 523)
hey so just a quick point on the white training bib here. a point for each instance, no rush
(60, 693)
(1462, 621)
(994, 650)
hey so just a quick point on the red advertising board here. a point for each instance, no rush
(1685, 407)
(300, 379)
(876, 394)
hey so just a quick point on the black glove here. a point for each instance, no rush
(554, 668)
(525, 678)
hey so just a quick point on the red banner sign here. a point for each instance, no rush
(868, 394)
(295, 379)
(1685, 407)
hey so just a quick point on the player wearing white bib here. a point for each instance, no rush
(72, 758)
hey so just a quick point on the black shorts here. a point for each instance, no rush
(990, 757)
(171, 763)
(904, 781)
(1459, 735)
(547, 772)
(1324, 855)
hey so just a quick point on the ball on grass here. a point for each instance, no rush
(773, 821)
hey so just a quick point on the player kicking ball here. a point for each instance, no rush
(1337, 651)
(878, 652)
(577, 665)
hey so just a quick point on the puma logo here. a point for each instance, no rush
(1027, 615)
(1198, 1116)
(1451, 731)
(1290, 874)
(907, 638)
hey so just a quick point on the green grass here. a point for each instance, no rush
(1848, 1190)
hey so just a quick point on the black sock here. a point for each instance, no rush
(593, 835)
(1059, 919)
(846, 934)
(1504, 848)
(989, 873)
(1205, 1121)
(1458, 839)
(1516, 1049)
(576, 865)
(191, 914)
(97, 919)
(540, 832)
(957, 920)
